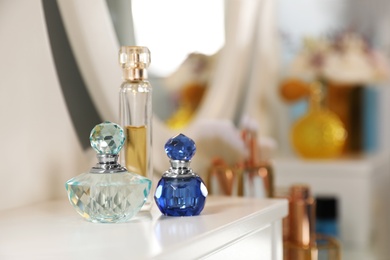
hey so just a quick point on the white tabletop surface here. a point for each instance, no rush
(53, 230)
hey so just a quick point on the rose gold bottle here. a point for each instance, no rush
(222, 179)
(256, 177)
(302, 242)
(250, 178)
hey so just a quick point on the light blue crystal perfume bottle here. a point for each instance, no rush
(180, 192)
(108, 193)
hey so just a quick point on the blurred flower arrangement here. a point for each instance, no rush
(340, 67)
(346, 59)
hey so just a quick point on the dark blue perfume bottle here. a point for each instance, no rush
(180, 192)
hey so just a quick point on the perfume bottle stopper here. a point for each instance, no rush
(134, 60)
(107, 138)
(180, 192)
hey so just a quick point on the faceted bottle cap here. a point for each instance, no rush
(107, 138)
(180, 148)
(134, 57)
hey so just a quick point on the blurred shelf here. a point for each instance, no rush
(227, 228)
(360, 185)
(346, 167)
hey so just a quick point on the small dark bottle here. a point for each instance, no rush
(326, 215)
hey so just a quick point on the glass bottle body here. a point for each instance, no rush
(181, 196)
(108, 197)
(136, 120)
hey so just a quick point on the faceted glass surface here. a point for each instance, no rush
(107, 138)
(180, 148)
(180, 196)
(105, 198)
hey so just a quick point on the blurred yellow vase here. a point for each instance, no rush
(319, 134)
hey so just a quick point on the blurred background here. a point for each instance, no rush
(310, 77)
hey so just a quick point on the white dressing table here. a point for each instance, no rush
(228, 228)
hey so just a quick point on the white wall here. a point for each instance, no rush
(39, 148)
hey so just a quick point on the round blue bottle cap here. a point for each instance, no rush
(180, 147)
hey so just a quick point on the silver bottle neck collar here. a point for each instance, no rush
(107, 163)
(179, 169)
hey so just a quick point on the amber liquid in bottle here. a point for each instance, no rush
(136, 149)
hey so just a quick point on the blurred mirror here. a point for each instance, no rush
(206, 59)
(185, 38)
(210, 60)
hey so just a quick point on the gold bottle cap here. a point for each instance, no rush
(134, 57)
(134, 60)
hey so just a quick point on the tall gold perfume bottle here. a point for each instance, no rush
(136, 112)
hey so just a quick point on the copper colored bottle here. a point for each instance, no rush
(222, 179)
(250, 178)
(256, 177)
(302, 242)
